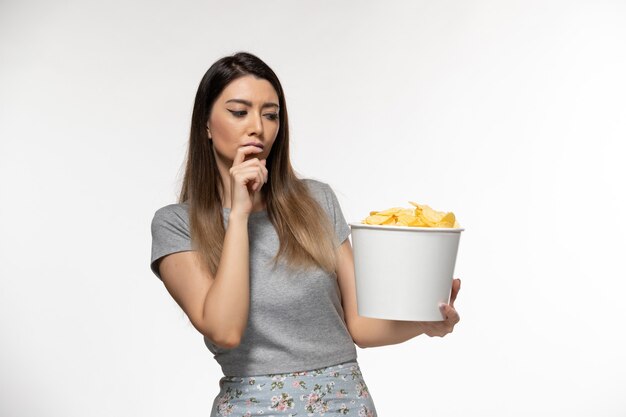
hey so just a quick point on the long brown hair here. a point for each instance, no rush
(304, 229)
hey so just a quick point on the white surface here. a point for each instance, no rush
(403, 273)
(511, 114)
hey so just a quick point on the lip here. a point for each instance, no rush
(258, 145)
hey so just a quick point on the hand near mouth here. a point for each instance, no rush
(246, 178)
(254, 145)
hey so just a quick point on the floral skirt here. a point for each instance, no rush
(337, 390)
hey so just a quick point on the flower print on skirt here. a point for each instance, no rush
(337, 390)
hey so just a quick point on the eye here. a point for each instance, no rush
(240, 113)
(272, 116)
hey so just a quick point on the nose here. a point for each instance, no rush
(256, 125)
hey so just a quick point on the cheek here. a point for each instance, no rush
(224, 131)
(275, 127)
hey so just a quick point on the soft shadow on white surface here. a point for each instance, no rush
(510, 114)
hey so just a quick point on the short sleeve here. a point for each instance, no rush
(170, 234)
(329, 202)
(342, 230)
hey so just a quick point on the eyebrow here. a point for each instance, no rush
(249, 103)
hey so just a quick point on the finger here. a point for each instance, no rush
(246, 175)
(243, 151)
(254, 181)
(265, 172)
(456, 286)
(442, 309)
(249, 163)
(245, 172)
(260, 179)
(254, 160)
(452, 316)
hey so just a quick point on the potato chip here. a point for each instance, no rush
(405, 219)
(394, 211)
(421, 215)
(377, 219)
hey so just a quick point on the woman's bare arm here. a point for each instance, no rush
(216, 306)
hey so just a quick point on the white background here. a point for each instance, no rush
(511, 114)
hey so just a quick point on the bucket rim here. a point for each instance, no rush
(359, 225)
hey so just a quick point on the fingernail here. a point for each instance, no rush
(442, 306)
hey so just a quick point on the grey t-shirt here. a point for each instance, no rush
(296, 319)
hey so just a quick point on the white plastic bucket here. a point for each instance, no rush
(403, 273)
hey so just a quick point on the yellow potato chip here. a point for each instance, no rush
(447, 220)
(390, 220)
(394, 210)
(376, 219)
(405, 220)
(421, 215)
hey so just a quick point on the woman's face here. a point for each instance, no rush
(246, 112)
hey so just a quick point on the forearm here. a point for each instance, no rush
(227, 303)
(369, 332)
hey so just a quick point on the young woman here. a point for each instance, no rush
(260, 262)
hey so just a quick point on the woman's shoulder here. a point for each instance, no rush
(316, 186)
(322, 192)
(173, 207)
(175, 211)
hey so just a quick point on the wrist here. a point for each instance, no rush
(419, 327)
(237, 216)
